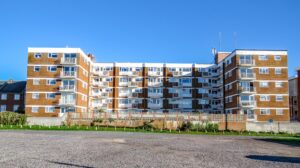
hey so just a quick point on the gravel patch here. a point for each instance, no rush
(123, 149)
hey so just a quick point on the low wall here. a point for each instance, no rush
(288, 127)
(46, 121)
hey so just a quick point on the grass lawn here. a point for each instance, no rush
(279, 137)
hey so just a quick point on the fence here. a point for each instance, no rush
(160, 116)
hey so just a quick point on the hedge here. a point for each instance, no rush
(12, 118)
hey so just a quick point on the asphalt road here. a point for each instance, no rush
(118, 149)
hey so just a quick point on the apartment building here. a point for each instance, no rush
(256, 84)
(252, 82)
(12, 95)
(57, 81)
(293, 96)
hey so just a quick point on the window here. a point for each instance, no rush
(3, 108)
(264, 98)
(277, 57)
(277, 71)
(37, 68)
(34, 109)
(3, 96)
(279, 98)
(51, 82)
(37, 55)
(52, 55)
(138, 69)
(36, 81)
(123, 69)
(16, 107)
(264, 70)
(49, 109)
(263, 84)
(265, 111)
(35, 95)
(17, 96)
(52, 68)
(279, 111)
(50, 95)
(278, 84)
(263, 57)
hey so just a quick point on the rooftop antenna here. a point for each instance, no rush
(220, 41)
(235, 39)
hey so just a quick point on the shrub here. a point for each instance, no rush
(98, 120)
(186, 126)
(12, 118)
(147, 125)
(210, 127)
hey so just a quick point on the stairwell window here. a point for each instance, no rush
(265, 111)
(264, 70)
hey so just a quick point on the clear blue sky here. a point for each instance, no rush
(146, 30)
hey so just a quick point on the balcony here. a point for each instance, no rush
(247, 75)
(67, 88)
(129, 105)
(247, 90)
(132, 84)
(156, 84)
(247, 62)
(154, 95)
(68, 61)
(155, 106)
(155, 73)
(101, 84)
(64, 102)
(249, 104)
(68, 74)
(124, 94)
(101, 73)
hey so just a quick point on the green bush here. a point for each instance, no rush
(186, 126)
(147, 125)
(99, 120)
(12, 118)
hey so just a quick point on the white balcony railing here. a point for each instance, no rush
(247, 75)
(156, 106)
(247, 89)
(68, 74)
(247, 62)
(68, 60)
(66, 102)
(155, 95)
(247, 103)
(154, 73)
(67, 88)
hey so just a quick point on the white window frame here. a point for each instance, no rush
(279, 112)
(3, 96)
(263, 70)
(277, 71)
(52, 55)
(50, 109)
(50, 68)
(49, 82)
(34, 109)
(49, 97)
(17, 96)
(263, 57)
(267, 111)
(15, 107)
(264, 98)
(37, 55)
(277, 57)
(35, 95)
(279, 98)
(36, 81)
(263, 84)
(37, 68)
(278, 84)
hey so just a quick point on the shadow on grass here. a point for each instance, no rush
(275, 158)
(285, 141)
